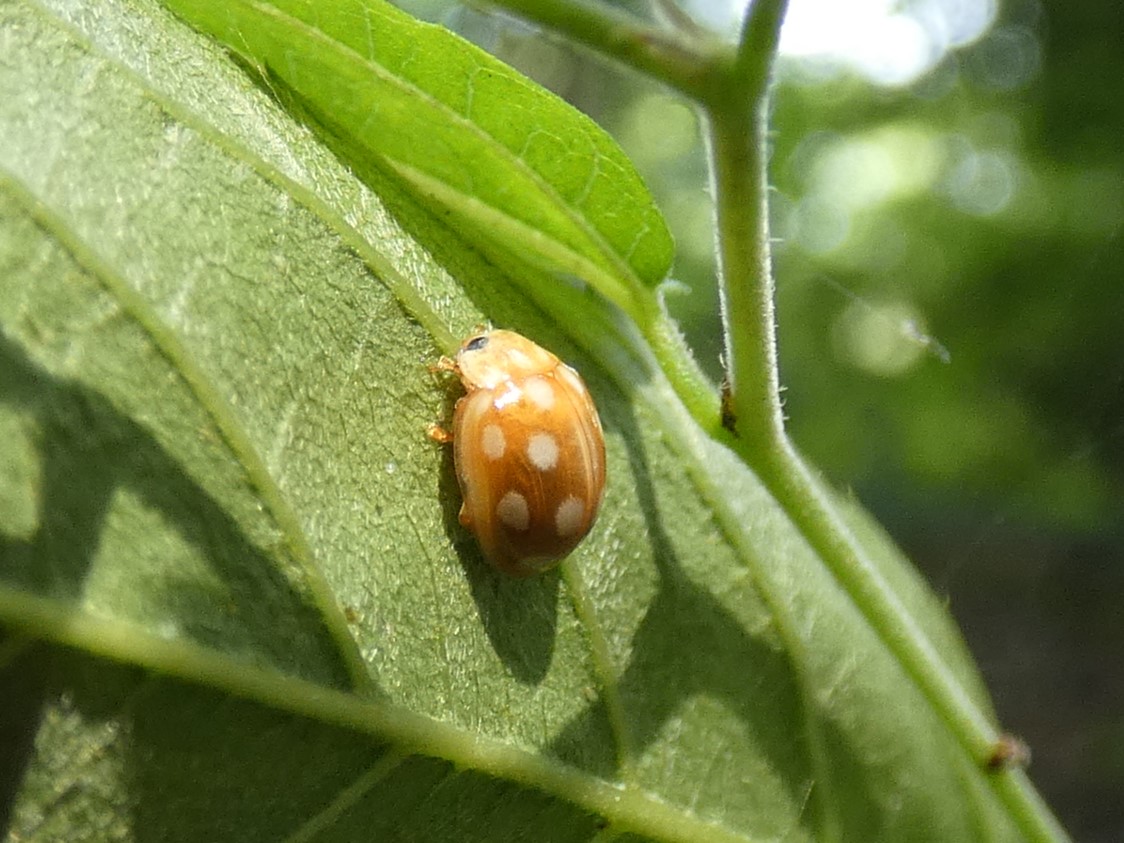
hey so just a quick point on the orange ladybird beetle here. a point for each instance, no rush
(528, 450)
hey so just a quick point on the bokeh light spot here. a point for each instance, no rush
(879, 338)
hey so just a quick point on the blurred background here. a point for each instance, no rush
(948, 203)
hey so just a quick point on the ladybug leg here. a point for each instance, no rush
(443, 364)
(439, 434)
(435, 431)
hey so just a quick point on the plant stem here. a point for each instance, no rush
(737, 117)
(678, 59)
(737, 148)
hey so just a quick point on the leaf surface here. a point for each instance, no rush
(218, 502)
(470, 134)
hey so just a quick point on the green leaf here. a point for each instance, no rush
(219, 506)
(511, 162)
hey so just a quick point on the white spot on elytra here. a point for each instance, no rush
(542, 450)
(512, 511)
(493, 442)
(540, 391)
(568, 517)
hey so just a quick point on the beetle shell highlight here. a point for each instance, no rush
(528, 449)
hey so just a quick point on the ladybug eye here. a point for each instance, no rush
(476, 343)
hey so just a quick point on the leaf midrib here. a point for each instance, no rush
(628, 809)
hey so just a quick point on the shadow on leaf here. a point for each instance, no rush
(89, 452)
(519, 616)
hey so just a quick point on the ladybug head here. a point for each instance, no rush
(489, 359)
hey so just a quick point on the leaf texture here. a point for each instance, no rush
(237, 601)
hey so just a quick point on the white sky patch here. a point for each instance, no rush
(890, 42)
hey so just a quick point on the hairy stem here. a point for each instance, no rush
(677, 58)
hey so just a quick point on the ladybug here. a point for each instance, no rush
(528, 450)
